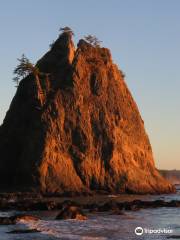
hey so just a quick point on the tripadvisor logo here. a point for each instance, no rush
(139, 231)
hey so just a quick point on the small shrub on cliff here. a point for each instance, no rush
(123, 75)
(93, 40)
(24, 68)
(67, 30)
(51, 44)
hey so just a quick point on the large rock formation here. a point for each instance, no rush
(76, 128)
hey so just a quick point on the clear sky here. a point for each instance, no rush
(144, 38)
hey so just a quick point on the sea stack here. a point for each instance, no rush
(76, 128)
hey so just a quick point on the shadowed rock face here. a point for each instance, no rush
(76, 128)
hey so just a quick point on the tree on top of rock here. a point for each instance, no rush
(67, 30)
(24, 68)
(93, 40)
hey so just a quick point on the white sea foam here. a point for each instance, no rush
(106, 227)
(103, 226)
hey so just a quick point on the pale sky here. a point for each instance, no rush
(144, 38)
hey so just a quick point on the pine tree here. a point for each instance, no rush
(93, 40)
(24, 68)
(67, 30)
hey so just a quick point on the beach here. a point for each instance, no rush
(100, 225)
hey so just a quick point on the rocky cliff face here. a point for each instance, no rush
(76, 128)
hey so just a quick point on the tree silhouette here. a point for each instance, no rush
(51, 44)
(93, 40)
(24, 68)
(67, 30)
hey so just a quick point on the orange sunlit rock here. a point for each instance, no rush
(76, 128)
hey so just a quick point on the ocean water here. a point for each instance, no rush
(102, 226)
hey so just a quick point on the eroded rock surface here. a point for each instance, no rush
(76, 128)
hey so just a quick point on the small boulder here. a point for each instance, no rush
(25, 218)
(71, 212)
(130, 206)
(108, 206)
(7, 221)
(15, 218)
(117, 212)
(173, 203)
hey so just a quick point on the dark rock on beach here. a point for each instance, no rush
(71, 212)
(23, 231)
(94, 205)
(108, 206)
(15, 218)
(118, 207)
(7, 221)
